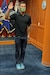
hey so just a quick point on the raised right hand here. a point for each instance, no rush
(10, 6)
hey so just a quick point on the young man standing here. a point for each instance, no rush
(22, 22)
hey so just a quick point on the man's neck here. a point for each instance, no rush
(22, 13)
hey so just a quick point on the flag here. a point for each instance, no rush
(4, 6)
(5, 24)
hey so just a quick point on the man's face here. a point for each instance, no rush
(23, 7)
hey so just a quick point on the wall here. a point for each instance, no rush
(0, 2)
(34, 8)
(46, 45)
(40, 34)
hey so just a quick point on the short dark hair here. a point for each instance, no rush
(22, 2)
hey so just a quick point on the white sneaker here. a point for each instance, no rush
(20, 66)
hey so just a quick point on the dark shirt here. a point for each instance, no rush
(21, 24)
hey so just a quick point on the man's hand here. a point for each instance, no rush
(10, 6)
(28, 36)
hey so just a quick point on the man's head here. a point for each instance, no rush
(22, 7)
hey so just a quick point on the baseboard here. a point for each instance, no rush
(36, 43)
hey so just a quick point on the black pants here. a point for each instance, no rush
(20, 43)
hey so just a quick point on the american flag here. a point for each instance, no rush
(4, 6)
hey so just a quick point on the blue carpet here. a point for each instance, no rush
(32, 61)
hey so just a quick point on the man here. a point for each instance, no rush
(22, 22)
